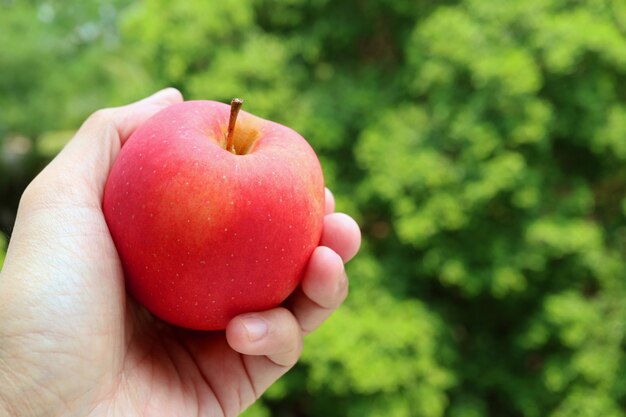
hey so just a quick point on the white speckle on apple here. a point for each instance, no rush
(267, 285)
(146, 267)
(153, 135)
(224, 177)
(227, 264)
(188, 220)
(290, 226)
(248, 202)
(164, 165)
(232, 298)
(250, 240)
(226, 229)
(203, 262)
(177, 274)
(282, 249)
(232, 280)
(186, 182)
(182, 264)
(232, 255)
(208, 218)
(196, 164)
(140, 155)
(265, 247)
(151, 214)
(280, 200)
(250, 282)
(154, 171)
(140, 168)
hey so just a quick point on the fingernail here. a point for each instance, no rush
(255, 327)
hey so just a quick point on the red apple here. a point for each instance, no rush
(206, 229)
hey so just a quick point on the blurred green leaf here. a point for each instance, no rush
(480, 145)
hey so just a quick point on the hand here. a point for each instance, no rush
(72, 343)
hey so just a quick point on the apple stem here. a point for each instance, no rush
(235, 106)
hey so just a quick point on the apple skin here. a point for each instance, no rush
(204, 234)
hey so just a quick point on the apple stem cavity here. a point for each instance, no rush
(235, 106)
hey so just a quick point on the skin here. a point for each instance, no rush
(72, 343)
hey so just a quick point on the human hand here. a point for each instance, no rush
(72, 342)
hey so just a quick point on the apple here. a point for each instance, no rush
(214, 212)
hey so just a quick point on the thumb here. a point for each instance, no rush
(79, 172)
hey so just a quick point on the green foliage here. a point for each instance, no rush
(480, 144)
(390, 361)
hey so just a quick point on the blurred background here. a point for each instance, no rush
(480, 144)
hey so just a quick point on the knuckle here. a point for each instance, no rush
(298, 350)
(104, 116)
(297, 341)
(292, 341)
(292, 355)
(45, 192)
(32, 195)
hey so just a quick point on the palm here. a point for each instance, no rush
(119, 356)
(168, 371)
(151, 367)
